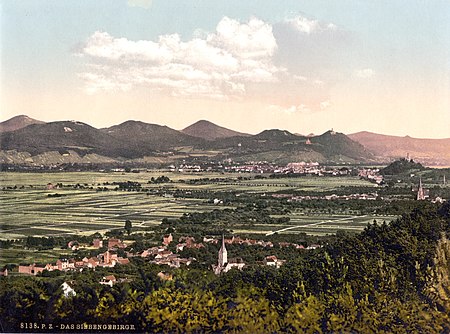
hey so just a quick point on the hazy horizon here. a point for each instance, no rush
(301, 66)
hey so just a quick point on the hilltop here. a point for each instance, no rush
(210, 131)
(18, 122)
(146, 139)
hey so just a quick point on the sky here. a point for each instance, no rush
(303, 66)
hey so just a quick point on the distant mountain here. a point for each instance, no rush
(337, 146)
(77, 142)
(61, 136)
(144, 138)
(18, 122)
(281, 146)
(210, 131)
(427, 151)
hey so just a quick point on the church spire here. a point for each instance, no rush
(420, 192)
(223, 254)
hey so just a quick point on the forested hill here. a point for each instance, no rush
(69, 141)
(390, 278)
(402, 166)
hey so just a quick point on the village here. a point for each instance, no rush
(265, 167)
(159, 255)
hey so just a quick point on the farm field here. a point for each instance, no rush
(316, 224)
(26, 208)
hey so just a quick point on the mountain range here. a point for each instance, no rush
(24, 140)
(427, 151)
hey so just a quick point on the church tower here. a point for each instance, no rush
(223, 255)
(420, 192)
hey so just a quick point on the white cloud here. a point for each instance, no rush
(308, 26)
(217, 65)
(365, 73)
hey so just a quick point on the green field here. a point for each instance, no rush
(26, 209)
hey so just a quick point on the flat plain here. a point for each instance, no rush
(29, 208)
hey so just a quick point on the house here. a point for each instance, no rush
(272, 260)
(167, 239)
(31, 269)
(237, 263)
(109, 258)
(73, 245)
(153, 251)
(210, 240)
(67, 290)
(163, 254)
(92, 262)
(97, 243)
(4, 272)
(109, 280)
(116, 243)
(189, 242)
(64, 265)
(79, 264)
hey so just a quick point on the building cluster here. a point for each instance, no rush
(264, 167)
(371, 174)
(224, 264)
(249, 242)
(292, 198)
(301, 168)
(159, 255)
(108, 259)
(251, 167)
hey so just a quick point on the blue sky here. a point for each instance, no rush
(304, 66)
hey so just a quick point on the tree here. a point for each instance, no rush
(128, 226)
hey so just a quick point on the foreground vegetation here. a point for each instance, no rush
(390, 278)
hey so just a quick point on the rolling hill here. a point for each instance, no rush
(18, 122)
(145, 139)
(61, 136)
(210, 131)
(427, 151)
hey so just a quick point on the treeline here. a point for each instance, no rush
(250, 214)
(390, 278)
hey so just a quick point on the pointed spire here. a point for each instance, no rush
(420, 192)
(223, 254)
